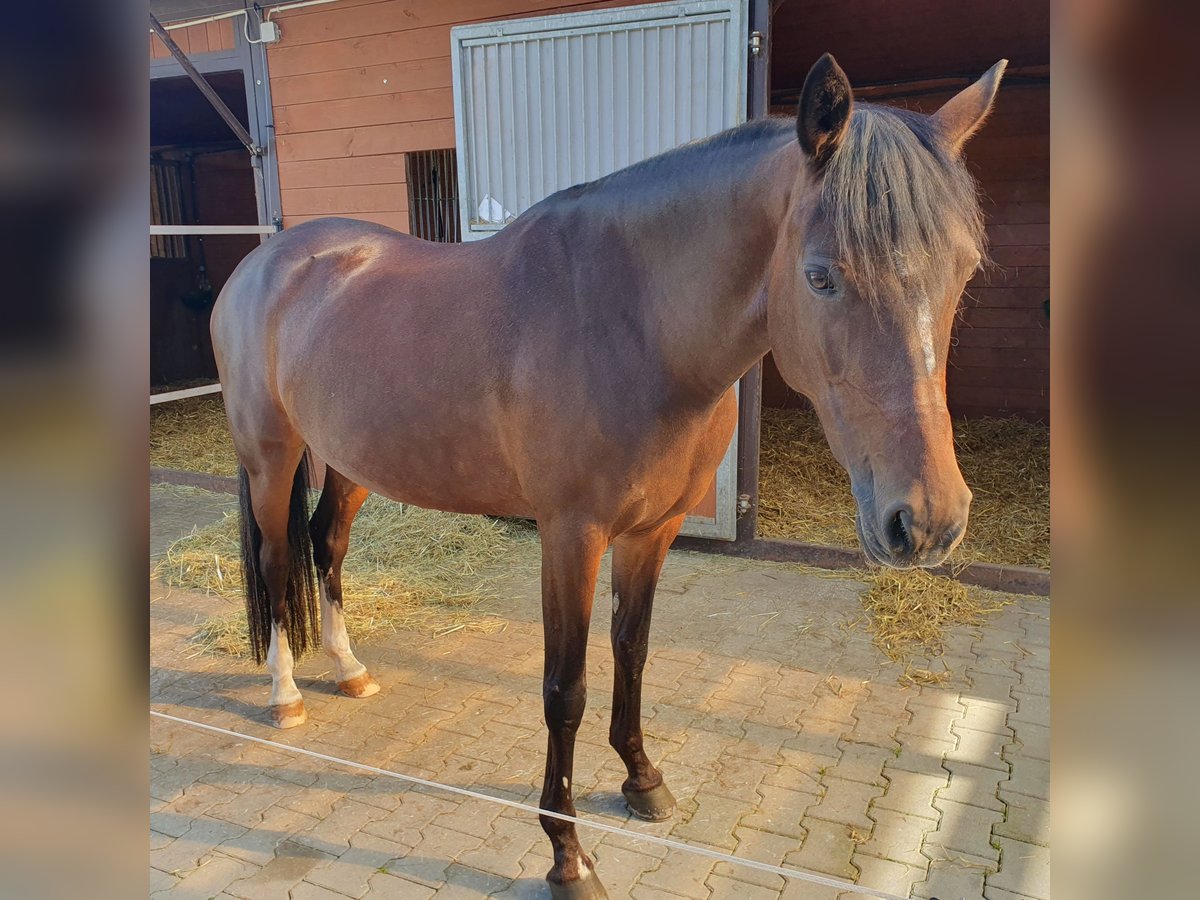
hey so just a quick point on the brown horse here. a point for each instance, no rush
(577, 368)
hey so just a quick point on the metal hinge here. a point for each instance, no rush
(743, 504)
(756, 43)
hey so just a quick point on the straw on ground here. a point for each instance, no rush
(407, 568)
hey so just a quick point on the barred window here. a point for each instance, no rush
(166, 208)
(433, 195)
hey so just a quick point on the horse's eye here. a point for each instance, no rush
(819, 279)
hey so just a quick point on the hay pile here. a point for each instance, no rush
(805, 495)
(908, 613)
(407, 568)
(192, 435)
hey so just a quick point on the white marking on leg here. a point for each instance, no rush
(335, 640)
(616, 601)
(925, 332)
(280, 664)
(566, 783)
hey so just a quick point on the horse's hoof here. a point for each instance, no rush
(358, 688)
(586, 888)
(289, 715)
(654, 805)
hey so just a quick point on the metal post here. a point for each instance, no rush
(750, 410)
(205, 88)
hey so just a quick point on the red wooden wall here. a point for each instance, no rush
(358, 83)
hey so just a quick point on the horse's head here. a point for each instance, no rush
(882, 235)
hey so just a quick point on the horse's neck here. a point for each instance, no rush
(707, 237)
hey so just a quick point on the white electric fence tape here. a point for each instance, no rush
(793, 874)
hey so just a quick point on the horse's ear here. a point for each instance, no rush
(963, 113)
(825, 104)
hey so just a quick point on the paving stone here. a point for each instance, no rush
(887, 875)
(986, 715)
(1027, 819)
(161, 881)
(919, 755)
(897, 837)
(713, 821)
(385, 886)
(257, 846)
(994, 893)
(1030, 777)
(333, 832)
(951, 880)
(1025, 869)
(995, 689)
(759, 846)
(797, 683)
(797, 889)
(465, 883)
(158, 840)
(932, 722)
(966, 830)
(291, 863)
(980, 748)
(403, 825)
(812, 742)
(746, 690)
(621, 868)
(704, 749)
(350, 873)
(973, 785)
(645, 892)
(501, 851)
(911, 792)
(681, 874)
(1031, 741)
(780, 811)
(1031, 708)
(862, 762)
(723, 886)
(211, 877)
(876, 729)
(738, 778)
(827, 848)
(1034, 678)
(429, 858)
(306, 890)
(186, 852)
(761, 742)
(197, 799)
(846, 802)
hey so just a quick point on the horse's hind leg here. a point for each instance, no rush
(340, 502)
(277, 559)
(637, 562)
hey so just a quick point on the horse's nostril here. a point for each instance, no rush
(899, 530)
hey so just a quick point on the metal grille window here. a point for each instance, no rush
(166, 208)
(433, 195)
(545, 103)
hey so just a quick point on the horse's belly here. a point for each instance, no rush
(465, 475)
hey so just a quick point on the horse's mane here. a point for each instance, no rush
(894, 197)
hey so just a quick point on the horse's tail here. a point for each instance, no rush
(300, 620)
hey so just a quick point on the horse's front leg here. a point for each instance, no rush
(637, 562)
(570, 562)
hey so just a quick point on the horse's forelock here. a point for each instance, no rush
(894, 200)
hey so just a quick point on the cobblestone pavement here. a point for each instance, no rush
(782, 731)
